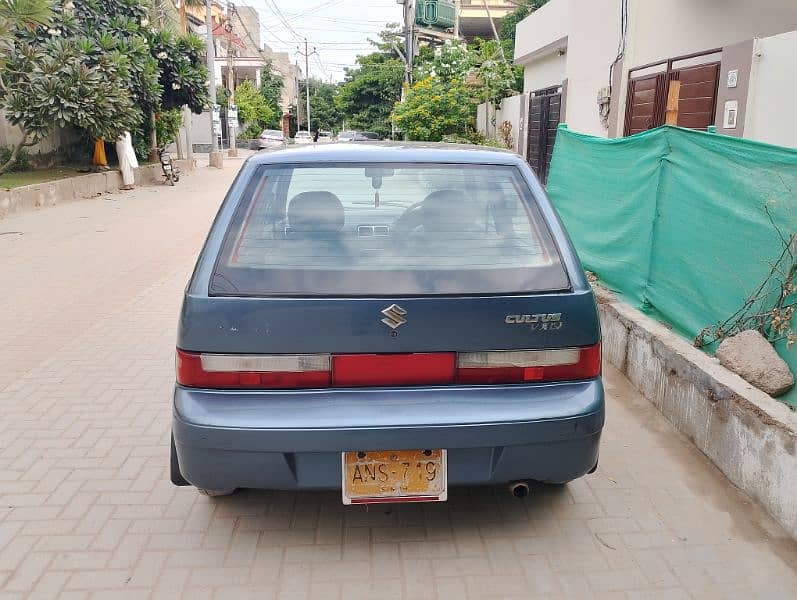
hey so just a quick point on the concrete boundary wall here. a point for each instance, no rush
(40, 195)
(750, 436)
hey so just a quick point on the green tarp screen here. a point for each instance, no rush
(684, 225)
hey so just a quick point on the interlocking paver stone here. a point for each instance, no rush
(87, 328)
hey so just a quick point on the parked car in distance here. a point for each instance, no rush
(303, 137)
(325, 137)
(271, 139)
(346, 136)
(387, 320)
(358, 136)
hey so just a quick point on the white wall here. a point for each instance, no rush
(544, 28)
(772, 99)
(588, 32)
(591, 49)
(667, 28)
(510, 111)
(546, 71)
(58, 139)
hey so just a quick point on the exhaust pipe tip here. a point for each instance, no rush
(519, 489)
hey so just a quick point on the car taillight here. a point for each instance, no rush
(253, 371)
(349, 370)
(518, 366)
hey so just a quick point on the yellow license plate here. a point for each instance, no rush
(394, 476)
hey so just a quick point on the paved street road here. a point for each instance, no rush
(90, 294)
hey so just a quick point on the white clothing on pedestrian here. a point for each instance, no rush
(127, 159)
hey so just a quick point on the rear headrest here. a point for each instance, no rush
(315, 211)
(450, 210)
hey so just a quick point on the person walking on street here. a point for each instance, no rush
(127, 160)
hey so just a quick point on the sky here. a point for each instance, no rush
(337, 29)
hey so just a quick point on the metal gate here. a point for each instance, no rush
(685, 96)
(544, 111)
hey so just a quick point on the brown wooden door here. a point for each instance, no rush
(646, 103)
(697, 97)
(685, 97)
(544, 114)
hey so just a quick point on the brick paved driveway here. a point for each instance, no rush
(90, 294)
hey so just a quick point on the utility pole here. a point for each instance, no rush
(232, 112)
(409, 39)
(307, 54)
(215, 159)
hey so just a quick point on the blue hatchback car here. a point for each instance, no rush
(387, 320)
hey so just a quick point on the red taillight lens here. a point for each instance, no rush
(350, 370)
(253, 371)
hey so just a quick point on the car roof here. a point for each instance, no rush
(397, 152)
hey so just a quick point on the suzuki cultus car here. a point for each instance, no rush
(389, 321)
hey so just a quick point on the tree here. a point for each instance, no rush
(18, 16)
(271, 87)
(72, 73)
(496, 78)
(183, 76)
(370, 89)
(97, 66)
(254, 113)
(434, 108)
(325, 111)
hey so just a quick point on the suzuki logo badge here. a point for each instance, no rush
(394, 316)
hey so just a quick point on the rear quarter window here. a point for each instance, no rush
(387, 229)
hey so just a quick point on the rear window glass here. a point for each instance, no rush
(387, 229)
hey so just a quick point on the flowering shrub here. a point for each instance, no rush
(433, 108)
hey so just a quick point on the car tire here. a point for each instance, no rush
(175, 475)
(215, 493)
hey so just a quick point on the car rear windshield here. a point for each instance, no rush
(387, 229)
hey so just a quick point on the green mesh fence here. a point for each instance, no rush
(684, 225)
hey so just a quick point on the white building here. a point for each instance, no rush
(693, 63)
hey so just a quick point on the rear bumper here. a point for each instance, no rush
(293, 440)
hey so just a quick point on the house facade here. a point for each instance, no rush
(617, 67)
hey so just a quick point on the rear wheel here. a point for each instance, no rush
(175, 475)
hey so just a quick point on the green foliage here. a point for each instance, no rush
(21, 15)
(434, 108)
(453, 60)
(252, 131)
(271, 88)
(222, 96)
(371, 88)
(452, 80)
(167, 125)
(471, 136)
(21, 163)
(325, 112)
(253, 110)
(496, 76)
(183, 76)
(68, 81)
(97, 65)
(370, 91)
